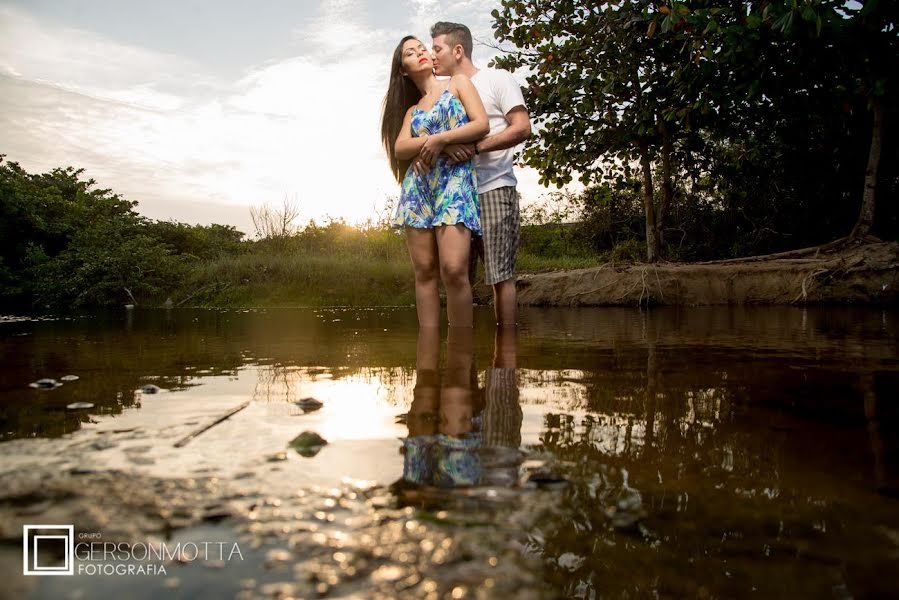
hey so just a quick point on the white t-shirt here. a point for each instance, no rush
(500, 93)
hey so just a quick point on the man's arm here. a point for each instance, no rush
(519, 130)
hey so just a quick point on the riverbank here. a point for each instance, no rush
(858, 273)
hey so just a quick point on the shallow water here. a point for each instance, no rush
(718, 452)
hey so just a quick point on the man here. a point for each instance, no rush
(509, 126)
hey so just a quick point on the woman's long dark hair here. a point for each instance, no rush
(401, 94)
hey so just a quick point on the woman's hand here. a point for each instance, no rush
(431, 149)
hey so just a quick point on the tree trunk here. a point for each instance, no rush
(652, 242)
(667, 186)
(866, 214)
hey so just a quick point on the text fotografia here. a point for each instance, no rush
(147, 558)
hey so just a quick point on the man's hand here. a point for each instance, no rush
(457, 153)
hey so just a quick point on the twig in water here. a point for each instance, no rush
(183, 441)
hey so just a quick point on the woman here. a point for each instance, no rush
(424, 116)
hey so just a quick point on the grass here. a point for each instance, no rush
(266, 280)
(332, 266)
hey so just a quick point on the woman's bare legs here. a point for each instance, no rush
(422, 246)
(454, 245)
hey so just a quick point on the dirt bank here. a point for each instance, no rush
(851, 273)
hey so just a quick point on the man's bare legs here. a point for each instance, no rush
(505, 348)
(505, 303)
(454, 245)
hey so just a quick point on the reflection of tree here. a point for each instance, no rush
(114, 354)
(720, 502)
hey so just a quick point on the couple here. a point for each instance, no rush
(450, 143)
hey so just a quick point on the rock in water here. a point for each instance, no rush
(150, 389)
(69, 378)
(308, 443)
(309, 404)
(79, 405)
(45, 384)
(547, 479)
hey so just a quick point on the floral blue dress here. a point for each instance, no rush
(447, 194)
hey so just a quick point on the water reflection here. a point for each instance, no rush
(444, 437)
(460, 434)
(502, 416)
(707, 452)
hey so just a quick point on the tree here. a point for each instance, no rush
(64, 243)
(661, 89)
(598, 87)
(275, 224)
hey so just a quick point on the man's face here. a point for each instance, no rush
(445, 62)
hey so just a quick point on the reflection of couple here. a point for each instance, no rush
(450, 143)
(457, 430)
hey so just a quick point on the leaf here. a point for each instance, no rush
(652, 27)
(869, 7)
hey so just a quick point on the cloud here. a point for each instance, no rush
(301, 125)
(89, 64)
(158, 128)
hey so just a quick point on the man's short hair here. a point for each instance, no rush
(456, 33)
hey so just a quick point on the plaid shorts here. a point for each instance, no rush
(502, 232)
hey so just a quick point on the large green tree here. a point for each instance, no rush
(665, 88)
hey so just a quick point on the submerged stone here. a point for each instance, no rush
(45, 384)
(308, 443)
(150, 389)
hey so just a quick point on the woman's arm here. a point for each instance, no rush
(477, 127)
(407, 146)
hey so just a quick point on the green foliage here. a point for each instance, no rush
(105, 265)
(199, 241)
(758, 108)
(64, 243)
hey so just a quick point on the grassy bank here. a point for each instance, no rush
(334, 266)
(298, 280)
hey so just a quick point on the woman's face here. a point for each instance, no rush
(415, 57)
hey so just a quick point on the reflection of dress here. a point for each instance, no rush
(447, 194)
(430, 456)
(442, 460)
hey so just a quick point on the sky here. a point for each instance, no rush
(200, 109)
